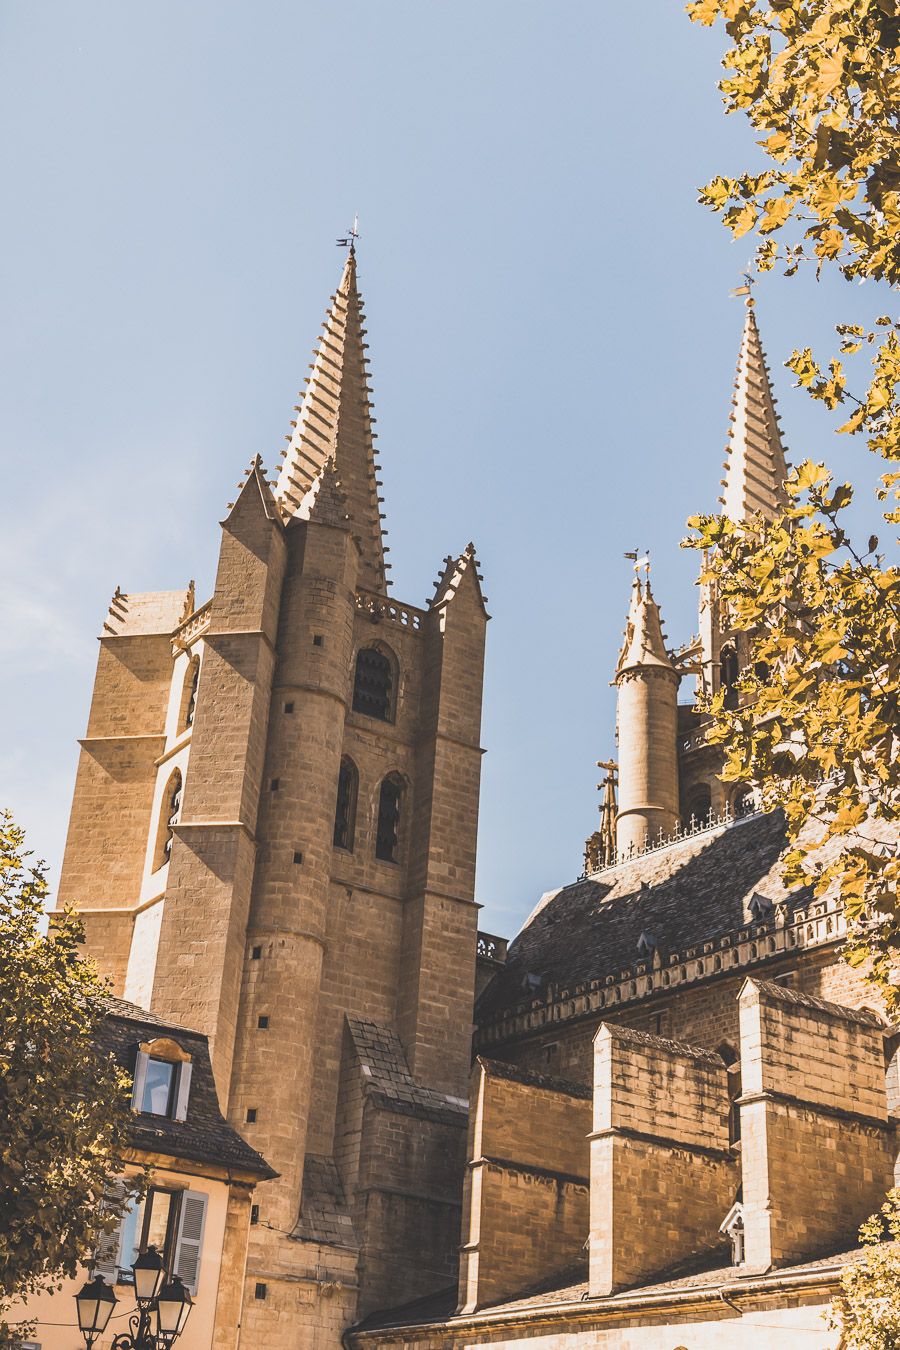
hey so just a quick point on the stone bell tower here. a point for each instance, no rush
(294, 876)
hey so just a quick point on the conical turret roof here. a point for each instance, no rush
(334, 423)
(644, 642)
(755, 467)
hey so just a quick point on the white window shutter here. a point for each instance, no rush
(190, 1238)
(184, 1088)
(140, 1078)
(106, 1254)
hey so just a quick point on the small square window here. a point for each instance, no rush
(254, 1213)
(298, 856)
(260, 1291)
(318, 640)
(289, 707)
(251, 1115)
(275, 784)
(255, 953)
(263, 1023)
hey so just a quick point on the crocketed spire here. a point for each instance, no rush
(334, 423)
(644, 642)
(754, 467)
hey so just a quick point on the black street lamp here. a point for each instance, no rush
(95, 1302)
(163, 1307)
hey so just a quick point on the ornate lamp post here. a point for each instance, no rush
(163, 1307)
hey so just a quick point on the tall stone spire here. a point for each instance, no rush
(755, 469)
(334, 422)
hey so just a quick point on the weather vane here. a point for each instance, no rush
(640, 564)
(747, 288)
(349, 241)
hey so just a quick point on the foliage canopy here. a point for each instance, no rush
(64, 1105)
(867, 1308)
(818, 726)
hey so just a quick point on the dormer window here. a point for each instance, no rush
(162, 1079)
(761, 908)
(159, 1088)
(732, 1228)
(646, 944)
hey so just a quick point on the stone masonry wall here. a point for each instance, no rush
(817, 1148)
(704, 1014)
(525, 1200)
(662, 1177)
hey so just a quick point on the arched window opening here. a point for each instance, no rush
(345, 811)
(729, 676)
(699, 808)
(744, 803)
(170, 814)
(374, 684)
(390, 800)
(189, 688)
(193, 683)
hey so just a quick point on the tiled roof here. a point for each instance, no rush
(134, 615)
(324, 1216)
(571, 1288)
(205, 1136)
(795, 999)
(391, 1084)
(674, 898)
(703, 1276)
(515, 1073)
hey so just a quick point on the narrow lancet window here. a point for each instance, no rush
(345, 812)
(194, 677)
(170, 813)
(390, 801)
(373, 684)
(730, 673)
(699, 809)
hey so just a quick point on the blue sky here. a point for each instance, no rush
(551, 337)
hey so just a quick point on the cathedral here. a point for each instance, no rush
(655, 1119)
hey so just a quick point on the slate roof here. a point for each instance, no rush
(709, 1272)
(516, 1073)
(678, 896)
(324, 1216)
(205, 1136)
(391, 1084)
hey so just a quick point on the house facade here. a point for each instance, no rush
(199, 1199)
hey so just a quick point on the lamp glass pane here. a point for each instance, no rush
(173, 1308)
(94, 1304)
(148, 1275)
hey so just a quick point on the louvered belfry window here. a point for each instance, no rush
(373, 685)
